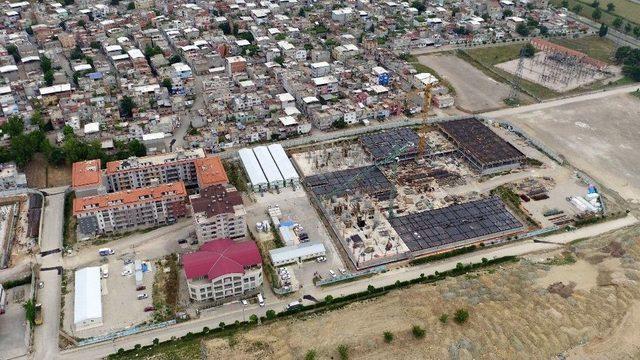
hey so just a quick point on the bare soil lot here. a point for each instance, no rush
(40, 175)
(598, 136)
(475, 91)
(13, 326)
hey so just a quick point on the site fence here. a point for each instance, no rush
(126, 332)
(536, 143)
(352, 276)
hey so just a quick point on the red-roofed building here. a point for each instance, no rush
(223, 269)
(86, 178)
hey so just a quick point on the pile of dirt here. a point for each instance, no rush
(561, 289)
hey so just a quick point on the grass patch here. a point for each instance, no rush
(596, 47)
(625, 9)
(165, 289)
(235, 175)
(565, 259)
(496, 54)
(69, 237)
(513, 201)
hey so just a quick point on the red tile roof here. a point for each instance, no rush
(221, 257)
(86, 173)
(210, 172)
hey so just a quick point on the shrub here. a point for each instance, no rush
(156, 341)
(371, 288)
(310, 355)
(328, 299)
(253, 318)
(444, 318)
(388, 336)
(461, 316)
(271, 314)
(221, 325)
(418, 332)
(205, 330)
(343, 351)
(137, 346)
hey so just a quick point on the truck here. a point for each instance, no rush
(106, 252)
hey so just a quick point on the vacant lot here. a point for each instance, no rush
(625, 9)
(475, 91)
(13, 326)
(599, 136)
(40, 175)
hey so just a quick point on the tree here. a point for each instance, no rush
(14, 126)
(45, 63)
(603, 30)
(49, 77)
(126, 106)
(253, 318)
(461, 316)
(595, 4)
(388, 336)
(565, 3)
(617, 22)
(506, 13)
(328, 299)
(76, 53)
(81, 23)
(271, 314)
(174, 59)
(151, 51)
(156, 341)
(302, 12)
(611, 7)
(636, 31)
(627, 27)
(543, 30)
(225, 27)
(419, 5)
(221, 325)
(131, 6)
(279, 59)
(444, 318)
(308, 46)
(36, 119)
(577, 8)
(596, 14)
(13, 51)
(95, 45)
(528, 50)
(343, 351)
(418, 332)
(522, 29)
(280, 37)
(137, 148)
(30, 311)
(166, 82)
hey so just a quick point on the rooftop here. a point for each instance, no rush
(221, 257)
(210, 171)
(86, 173)
(154, 160)
(215, 200)
(127, 197)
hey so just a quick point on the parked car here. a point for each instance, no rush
(182, 241)
(333, 273)
(245, 303)
(127, 272)
(140, 288)
(343, 271)
(142, 296)
(105, 252)
(40, 284)
(194, 242)
(149, 308)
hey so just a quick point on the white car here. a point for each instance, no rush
(127, 273)
(245, 303)
(343, 271)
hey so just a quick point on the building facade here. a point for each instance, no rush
(130, 209)
(218, 212)
(223, 269)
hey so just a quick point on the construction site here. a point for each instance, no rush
(559, 68)
(401, 193)
(19, 227)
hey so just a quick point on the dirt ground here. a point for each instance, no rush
(40, 175)
(475, 91)
(590, 139)
(512, 314)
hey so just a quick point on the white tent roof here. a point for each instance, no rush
(252, 167)
(282, 161)
(267, 164)
(288, 253)
(88, 297)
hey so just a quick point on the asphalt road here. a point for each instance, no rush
(46, 335)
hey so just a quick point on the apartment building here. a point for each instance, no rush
(152, 170)
(130, 209)
(10, 178)
(218, 212)
(86, 178)
(223, 269)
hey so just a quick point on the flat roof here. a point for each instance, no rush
(55, 89)
(87, 302)
(126, 197)
(210, 171)
(454, 224)
(267, 164)
(85, 173)
(154, 160)
(252, 167)
(283, 162)
(483, 146)
(289, 253)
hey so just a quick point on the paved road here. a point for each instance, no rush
(46, 335)
(232, 312)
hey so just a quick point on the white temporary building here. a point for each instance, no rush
(296, 253)
(288, 172)
(268, 166)
(253, 170)
(87, 306)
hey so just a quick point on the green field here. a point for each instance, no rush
(624, 8)
(496, 54)
(594, 46)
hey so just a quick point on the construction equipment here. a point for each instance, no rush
(426, 106)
